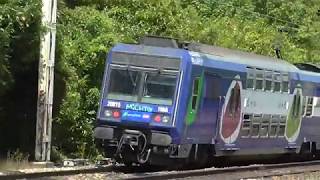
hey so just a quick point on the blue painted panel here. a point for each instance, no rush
(227, 66)
(310, 78)
(136, 116)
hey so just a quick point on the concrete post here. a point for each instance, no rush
(46, 81)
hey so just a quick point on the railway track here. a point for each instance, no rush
(136, 173)
(241, 172)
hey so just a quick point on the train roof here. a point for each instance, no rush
(233, 56)
(307, 71)
(241, 57)
(174, 48)
(222, 54)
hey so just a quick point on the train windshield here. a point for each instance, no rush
(124, 85)
(159, 88)
(141, 86)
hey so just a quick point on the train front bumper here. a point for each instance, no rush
(111, 133)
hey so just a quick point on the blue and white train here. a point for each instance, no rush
(164, 101)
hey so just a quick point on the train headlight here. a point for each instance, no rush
(165, 119)
(108, 113)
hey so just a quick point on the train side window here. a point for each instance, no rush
(259, 79)
(268, 81)
(256, 121)
(246, 125)
(265, 123)
(250, 78)
(274, 126)
(282, 126)
(309, 106)
(195, 91)
(277, 82)
(285, 82)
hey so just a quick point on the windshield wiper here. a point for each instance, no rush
(134, 83)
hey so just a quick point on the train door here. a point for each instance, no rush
(213, 100)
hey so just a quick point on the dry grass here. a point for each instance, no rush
(304, 176)
(15, 160)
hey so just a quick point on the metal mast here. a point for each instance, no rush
(45, 81)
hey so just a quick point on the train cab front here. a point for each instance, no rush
(138, 111)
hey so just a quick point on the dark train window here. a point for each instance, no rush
(255, 125)
(250, 83)
(285, 83)
(274, 124)
(246, 125)
(195, 86)
(259, 84)
(195, 91)
(194, 102)
(264, 130)
(259, 79)
(265, 123)
(282, 126)
(268, 81)
(273, 130)
(283, 119)
(281, 130)
(277, 82)
(255, 130)
(250, 77)
(276, 86)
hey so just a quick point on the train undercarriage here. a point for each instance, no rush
(150, 148)
(154, 148)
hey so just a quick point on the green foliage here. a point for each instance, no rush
(20, 26)
(17, 17)
(87, 29)
(85, 35)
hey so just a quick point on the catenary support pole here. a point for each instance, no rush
(45, 81)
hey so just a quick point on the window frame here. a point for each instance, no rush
(285, 78)
(259, 71)
(268, 72)
(275, 122)
(256, 120)
(251, 75)
(308, 105)
(282, 123)
(265, 123)
(275, 80)
(248, 120)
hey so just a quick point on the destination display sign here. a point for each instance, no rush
(133, 106)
